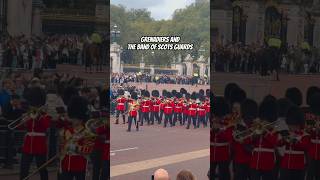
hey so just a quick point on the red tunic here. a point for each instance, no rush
(201, 111)
(314, 148)
(75, 162)
(120, 103)
(106, 150)
(220, 145)
(168, 109)
(35, 141)
(178, 108)
(193, 109)
(145, 106)
(294, 157)
(263, 155)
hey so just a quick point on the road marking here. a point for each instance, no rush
(133, 167)
(120, 150)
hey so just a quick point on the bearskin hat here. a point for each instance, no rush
(201, 92)
(120, 92)
(78, 108)
(315, 103)
(269, 97)
(168, 94)
(155, 93)
(268, 110)
(207, 92)
(173, 92)
(283, 106)
(146, 93)
(35, 96)
(134, 95)
(237, 95)
(228, 89)
(310, 92)
(194, 96)
(68, 93)
(220, 107)
(179, 95)
(295, 116)
(249, 109)
(294, 95)
(187, 96)
(202, 98)
(183, 91)
(164, 93)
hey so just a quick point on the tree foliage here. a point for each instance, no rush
(192, 24)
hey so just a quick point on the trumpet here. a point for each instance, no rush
(32, 113)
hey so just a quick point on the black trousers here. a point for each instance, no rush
(73, 175)
(123, 117)
(288, 174)
(130, 119)
(105, 173)
(185, 118)
(161, 115)
(194, 121)
(10, 148)
(145, 117)
(220, 170)
(241, 171)
(201, 119)
(167, 118)
(313, 171)
(25, 164)
(262, 175)
(177, 117)
(96, 156)
(155, 117)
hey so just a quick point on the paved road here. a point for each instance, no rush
(137, 154)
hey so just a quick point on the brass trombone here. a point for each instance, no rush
(32, 113)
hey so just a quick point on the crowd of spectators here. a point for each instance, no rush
(45, 51)
(253, 59)
(156, 78)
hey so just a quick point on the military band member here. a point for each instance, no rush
(178, 109)
(192, 112)
(168, 110)
(220, 138)
(76, 144)
(121, 100)
(296, 143)
(133, 111)
(145, 108)
(35, 142)
(155, 107)
(201, 111)
(185, 109)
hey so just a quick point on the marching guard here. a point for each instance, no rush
(133, 111)
(121, 100)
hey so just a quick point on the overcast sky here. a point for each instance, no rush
(160, 9)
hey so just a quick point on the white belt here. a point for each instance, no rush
(107, 141)
(219, 144)
(293, 152)
(35, 134)
(201, 109)
(145, 106)
(155, 105)
(120, 103)
(168, 107)
(263, 150)
(315, 141)
(192, 109)
(178, 107)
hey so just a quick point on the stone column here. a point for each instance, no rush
(19, 17)
(115, 52)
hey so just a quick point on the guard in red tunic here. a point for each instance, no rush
(264, 142)
(177, 109)
(104, 131)
(121, 100)
(145, 108)
(168, 110)
(76, 144)
(185, 109)
(162, 104)
(220, 139)
(155, 107)
(192, 111)
(133, 111)
(296, 143)
(35, 141)
(242, 152)
(201, 111)
(312, 119)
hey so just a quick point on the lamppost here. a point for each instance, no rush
(115, 33)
